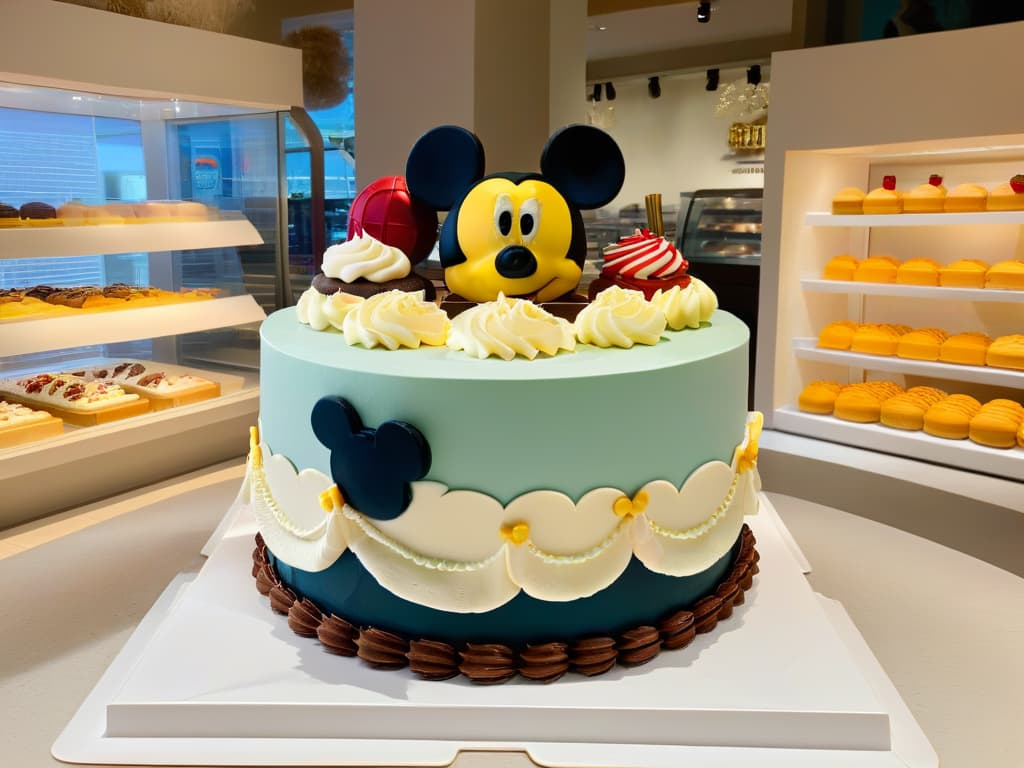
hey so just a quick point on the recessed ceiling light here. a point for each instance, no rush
(602, 29)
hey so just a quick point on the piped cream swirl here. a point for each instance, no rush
(620, 318)
(686, 307)
(364, 256)
(396, 319)
(322, 312)
(508, 327)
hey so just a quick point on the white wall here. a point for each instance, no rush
(675, 143)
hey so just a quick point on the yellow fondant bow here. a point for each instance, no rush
(746, 456)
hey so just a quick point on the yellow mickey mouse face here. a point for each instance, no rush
(515, 239)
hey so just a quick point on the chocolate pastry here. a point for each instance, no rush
(8, 211)
(412, 282)
(11, 294)
(40, 292)
(118, 291)
(73, 297)
(38, 211)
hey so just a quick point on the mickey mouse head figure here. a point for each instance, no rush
(520, 234)
(373, 468)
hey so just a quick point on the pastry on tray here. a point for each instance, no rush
(965, 273)
(842, 267)
(848, 200)
(1009, 196)
(162, 389)
(884, 199)
(965, 349)
(906, 411)
(966, 198)
(997, 424)
(876, 269)
(918, 272)
(1006, 352)
(862, 403)
(951, 418)
(21, 424)
(878, 339)
(74, 399)
(1006, 275)
(837, 335)
(921, 344)
(819, 397)
(926, 198)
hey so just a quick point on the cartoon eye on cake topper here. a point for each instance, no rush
(520, 234)
(372, 467)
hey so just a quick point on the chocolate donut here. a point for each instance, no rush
(361, 287)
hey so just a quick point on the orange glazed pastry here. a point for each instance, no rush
(918, 272)
(927, 198)
(1006, 352)
(876, 269)
(884, 199)
(951, 418)
(848, 200)
(921, 344)
(907, 411)
(965, 273)
(966, 198)
(837, 335)
(1020, 436)
(872, 339)
(1008, 197)
(863, 402)
(997, 424)
(819, 397)
(841, 267)
(965, 349)
(1008, 275)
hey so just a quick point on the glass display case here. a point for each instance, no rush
(143, 243)
(719, 233)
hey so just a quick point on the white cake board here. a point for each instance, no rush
(213, 677)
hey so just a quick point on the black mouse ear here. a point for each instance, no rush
(585, 164)
(335, 422)
(442, 165)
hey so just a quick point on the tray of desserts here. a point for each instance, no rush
(163, 388)
(20, 424)
(75, 213)
(47, 301)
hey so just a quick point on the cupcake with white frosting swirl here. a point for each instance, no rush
(364, 266)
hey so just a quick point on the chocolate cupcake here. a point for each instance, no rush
(364, 266)
(365, 288)
(38, 211)
(9, 216)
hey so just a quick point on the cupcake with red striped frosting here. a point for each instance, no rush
(642, 262)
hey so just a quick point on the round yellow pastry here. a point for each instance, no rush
(1020, 435)
(1006, 275)
(966, 198)
(841, 267)
(926, 198)
(883, 390)
(907, 411)
(884, 199)
(837, 335)
(856, 403)
(997, 423)
(848, 200)
(951, 418)
(870, 339)
(965, 273)
(918, 272)
(1006, 352)
(921, 344)
(1006, 198)
(876, 269)
(819, 397)
(965, 349)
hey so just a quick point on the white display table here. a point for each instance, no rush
(77, 607)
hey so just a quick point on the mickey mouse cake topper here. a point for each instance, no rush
(517, 234)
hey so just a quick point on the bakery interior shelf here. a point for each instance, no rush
(965, 454)
(22, 337)
(818, 285)
(87, 240)
(820, 219)
(807, 349)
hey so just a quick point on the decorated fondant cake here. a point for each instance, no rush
(505, 492)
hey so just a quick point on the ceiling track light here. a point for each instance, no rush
(703, 12)
(654, 86)
(754, 74)
(609, 91)
(597, 92)
(712, 84)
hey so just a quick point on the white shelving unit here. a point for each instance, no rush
(86, 240)
(913, 82)
(819, 285)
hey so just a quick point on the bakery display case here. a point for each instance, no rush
(145, 247)
(719, 234)
(921, 314)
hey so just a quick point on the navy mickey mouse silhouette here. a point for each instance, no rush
(373, 468)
